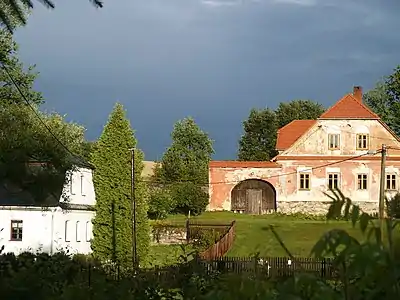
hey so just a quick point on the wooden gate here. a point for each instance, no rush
(253, 196)
(254, 201)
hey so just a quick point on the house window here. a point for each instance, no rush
(88, 231)
(362, 141)
(362, 180)
(391, 182)
(78, 231)
(67, 231)
(333, 141)
(82, 186)
(304, 183)
(71, 184)
(333, 181)
(16, 230)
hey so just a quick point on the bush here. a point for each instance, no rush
(161, 203)
(189, 196)
(393, 207)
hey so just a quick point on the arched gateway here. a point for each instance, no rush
(253, 196)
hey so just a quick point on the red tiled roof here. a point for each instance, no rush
(291, 132)
(242, 164)
(349, 108)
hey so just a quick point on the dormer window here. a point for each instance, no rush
(362, 141)
(333, 141)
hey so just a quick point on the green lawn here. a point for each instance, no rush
(253, 233)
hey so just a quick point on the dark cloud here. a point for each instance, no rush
(213, 60)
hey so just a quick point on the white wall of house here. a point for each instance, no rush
(79, 188)
(51, 229)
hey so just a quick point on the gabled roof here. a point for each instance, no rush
(291, 132)
(349, 107)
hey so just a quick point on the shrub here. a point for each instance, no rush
(189, 196)
(161, 203)
(393, 207)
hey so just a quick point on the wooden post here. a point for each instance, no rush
(382, 191)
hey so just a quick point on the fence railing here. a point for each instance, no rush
(271, 266)
(221, 247)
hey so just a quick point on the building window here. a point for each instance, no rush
(304, 183)
(391, 182)
(333, 181)
(71, 184)
(78, 231)
(362, 141)
(362, 181)
(67, 231)
(16, 230)
(88, 231)
(82, 186)
(333, 141)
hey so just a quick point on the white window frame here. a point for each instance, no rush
(338, 179)
(78, 231)
(358, 136)
(66, 231)
(300, 173)
(391, 180)
(334, 140)
(71, 183)
(88, 231)
(82, 186)
(366, 180)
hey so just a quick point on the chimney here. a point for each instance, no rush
(357, 93)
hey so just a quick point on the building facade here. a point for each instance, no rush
(64, 226)
(338, 150)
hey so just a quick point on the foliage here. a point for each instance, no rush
(382, 100)
(393, 207)
(161, 203)
(188, 156)
(189, 196)
(260, 129)
(184, 167)
(259, 138)
(24, 79)
(297, 110)
(15, 11)
(112, 226)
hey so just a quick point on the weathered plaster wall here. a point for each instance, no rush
(315, 142)
(286, 183)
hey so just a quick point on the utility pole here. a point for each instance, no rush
(382, 190)
(133, 210)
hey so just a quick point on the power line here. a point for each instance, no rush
(38, 115)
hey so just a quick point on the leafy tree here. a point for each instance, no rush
(185, 166)
(14, 12)
(259, 138)
(112, 226)
(30, 135)
(297, 110)
(381, 100)
(24, 79)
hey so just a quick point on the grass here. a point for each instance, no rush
(253, 234)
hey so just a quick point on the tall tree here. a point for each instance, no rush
(30, 135)
(384, 100)
(259, 138)
(184, 166)
(297, 110)
(13, 72)
(112, 226)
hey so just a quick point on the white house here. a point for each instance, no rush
(66, 225)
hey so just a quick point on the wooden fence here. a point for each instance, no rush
(271, 266)
(221, 247)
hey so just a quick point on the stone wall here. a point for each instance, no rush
(167, 235)
(319, 207)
